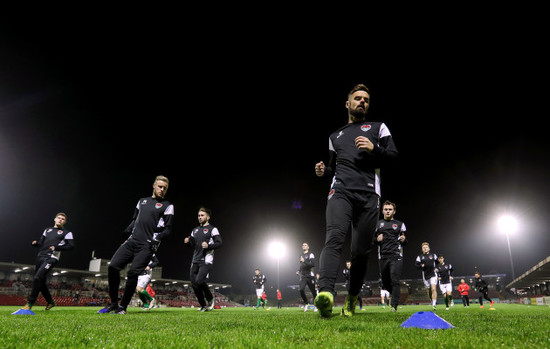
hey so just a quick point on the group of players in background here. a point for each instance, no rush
(357, 152)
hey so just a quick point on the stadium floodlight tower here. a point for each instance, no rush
(277, 250)
(508, 225)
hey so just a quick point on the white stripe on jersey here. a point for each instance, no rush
(384, 131)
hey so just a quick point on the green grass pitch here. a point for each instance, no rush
(508, 326)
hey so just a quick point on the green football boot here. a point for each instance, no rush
(349, 305)
(324, 302)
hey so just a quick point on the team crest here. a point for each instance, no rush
(205, 230)
(158, 205)
(394, 226)
(330, 194)
(365, 128)
(59, 232)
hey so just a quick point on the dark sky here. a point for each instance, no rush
(236, 116)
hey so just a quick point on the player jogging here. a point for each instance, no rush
(52, 241)
(483, 289)
(390, 238)
(427, 262)
(152, 222)
(307, 276)
(259, 281)
(444, 272)
(204, 240)
(357, 152)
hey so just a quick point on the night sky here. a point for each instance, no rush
(91, 111)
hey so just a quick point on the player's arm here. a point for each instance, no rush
(418, 262)
(322, 169)
(66, 244)
(216, 240)
(385, 150)
(403, 239)
(126, 233)
(39, 242)
(167, 222)
(154, 261)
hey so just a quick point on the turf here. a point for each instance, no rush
(508, 326)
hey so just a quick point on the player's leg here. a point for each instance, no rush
(140, 261)
(41, 268)
(120, 259)
(202, 280)
(311, 286)
(396, 265)
(302, 290)
(338, 219)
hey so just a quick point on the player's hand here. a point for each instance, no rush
(402, 238)
(364, 143)
(204, 244)
(186, 240)
(380, 237)
(302, 259)
(52, 248)
(320, 169)
(34, 242)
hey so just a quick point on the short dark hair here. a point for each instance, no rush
(388, 202)
(62, 214)
(205, 209)
(359, 87)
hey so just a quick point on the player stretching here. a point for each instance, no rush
(357, 152)
(51, 243)
(427, 262)
(151, 223)
(390, 237)
(204, 240)
(307, 277)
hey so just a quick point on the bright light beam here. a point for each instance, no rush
(277, 250)
(509, 225)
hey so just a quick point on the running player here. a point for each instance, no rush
(444, 272)
(384, 294)
(307, 276)
(427, 262)
(143, 281)
(204, 240)
(390, 237)
(52, 241)
(152, 222)
(483, 289)
(259, 281)
(357, 151)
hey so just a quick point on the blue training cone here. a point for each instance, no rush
(23, 312)
(427, 320)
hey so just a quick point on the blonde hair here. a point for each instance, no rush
(162, 178)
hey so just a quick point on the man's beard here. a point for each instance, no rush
(358, 114)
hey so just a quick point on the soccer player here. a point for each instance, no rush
(390, 238)
(151, 223)
(52, 241)
(279, 299)
(444, 272)
(464, 288)
(427, 262)
(259, 281)
(204, 240)
(357, 152)
(307, 276)
(483, 289)
(143, 281)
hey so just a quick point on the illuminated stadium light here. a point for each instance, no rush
(508, 225)
(277, 250)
